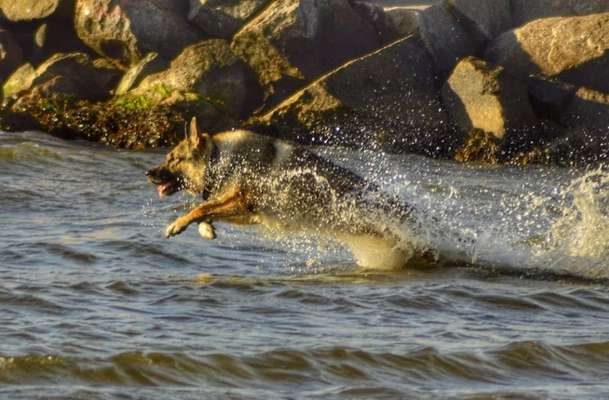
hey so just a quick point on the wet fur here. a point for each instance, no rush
(247, 178)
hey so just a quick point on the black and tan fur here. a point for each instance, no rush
(247, 178)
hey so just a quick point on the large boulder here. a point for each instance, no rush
(483, 98)
(73, 75)
(208, 72)
(126, 31)
(31, 10)
(524, 11)
(571, 49)
(222, 18)
(448, 35)
(387, 97)
(292, 42)
(10, 54)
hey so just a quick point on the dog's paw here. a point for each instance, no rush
(175, 228)
(207, 231)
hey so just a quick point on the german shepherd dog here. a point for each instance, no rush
(247, 178)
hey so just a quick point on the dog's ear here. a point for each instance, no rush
(195, 138)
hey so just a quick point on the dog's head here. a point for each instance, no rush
(185, 165)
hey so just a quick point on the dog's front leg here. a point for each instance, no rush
(225, 207)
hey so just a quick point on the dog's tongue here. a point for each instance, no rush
(162, 189)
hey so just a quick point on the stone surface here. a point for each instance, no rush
(484, 97)
(222, 18)
(29, 10)
(524, 11)
(10, 54)
(448, 36)
(150, 64)
(127, 30)
(54, 35)
(588, 109)
(294, 41)
(387, 97)
(549, 97)
(491, 17)
(209, 71)
(573, 49)
(390, 22)
(68, 74)
(19, 81)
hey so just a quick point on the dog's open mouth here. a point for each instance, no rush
(166, 189)
(166, 182)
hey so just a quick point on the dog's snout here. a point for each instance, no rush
(149, 173)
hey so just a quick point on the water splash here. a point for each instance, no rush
(578, 240)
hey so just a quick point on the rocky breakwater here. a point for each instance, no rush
(476, 80)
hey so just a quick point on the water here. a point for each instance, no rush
(95, 304)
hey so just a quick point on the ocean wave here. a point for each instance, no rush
(522, 362)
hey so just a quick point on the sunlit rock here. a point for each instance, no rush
(19, 81)
(483, 98)
(126, 31)
(292, 42)
(572, 49)
(207, 73)
(524, 11)
(30, 10)
(148, 65)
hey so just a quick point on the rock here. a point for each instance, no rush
(222, 18)
(549, 97)
(54, 35)
(572, 49)
(19, 81)
(448, 35)
(69, 74)
(524, 11)
(386, 97)
(390, 22)
(479, 147)
(149, 65)
(10, 54)
(491, 17)
(127, 30)
(474, 18)
(483, 98)
(102, 122)
(588, 109)
(209, 71)
(30, 10)
(292, 42)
